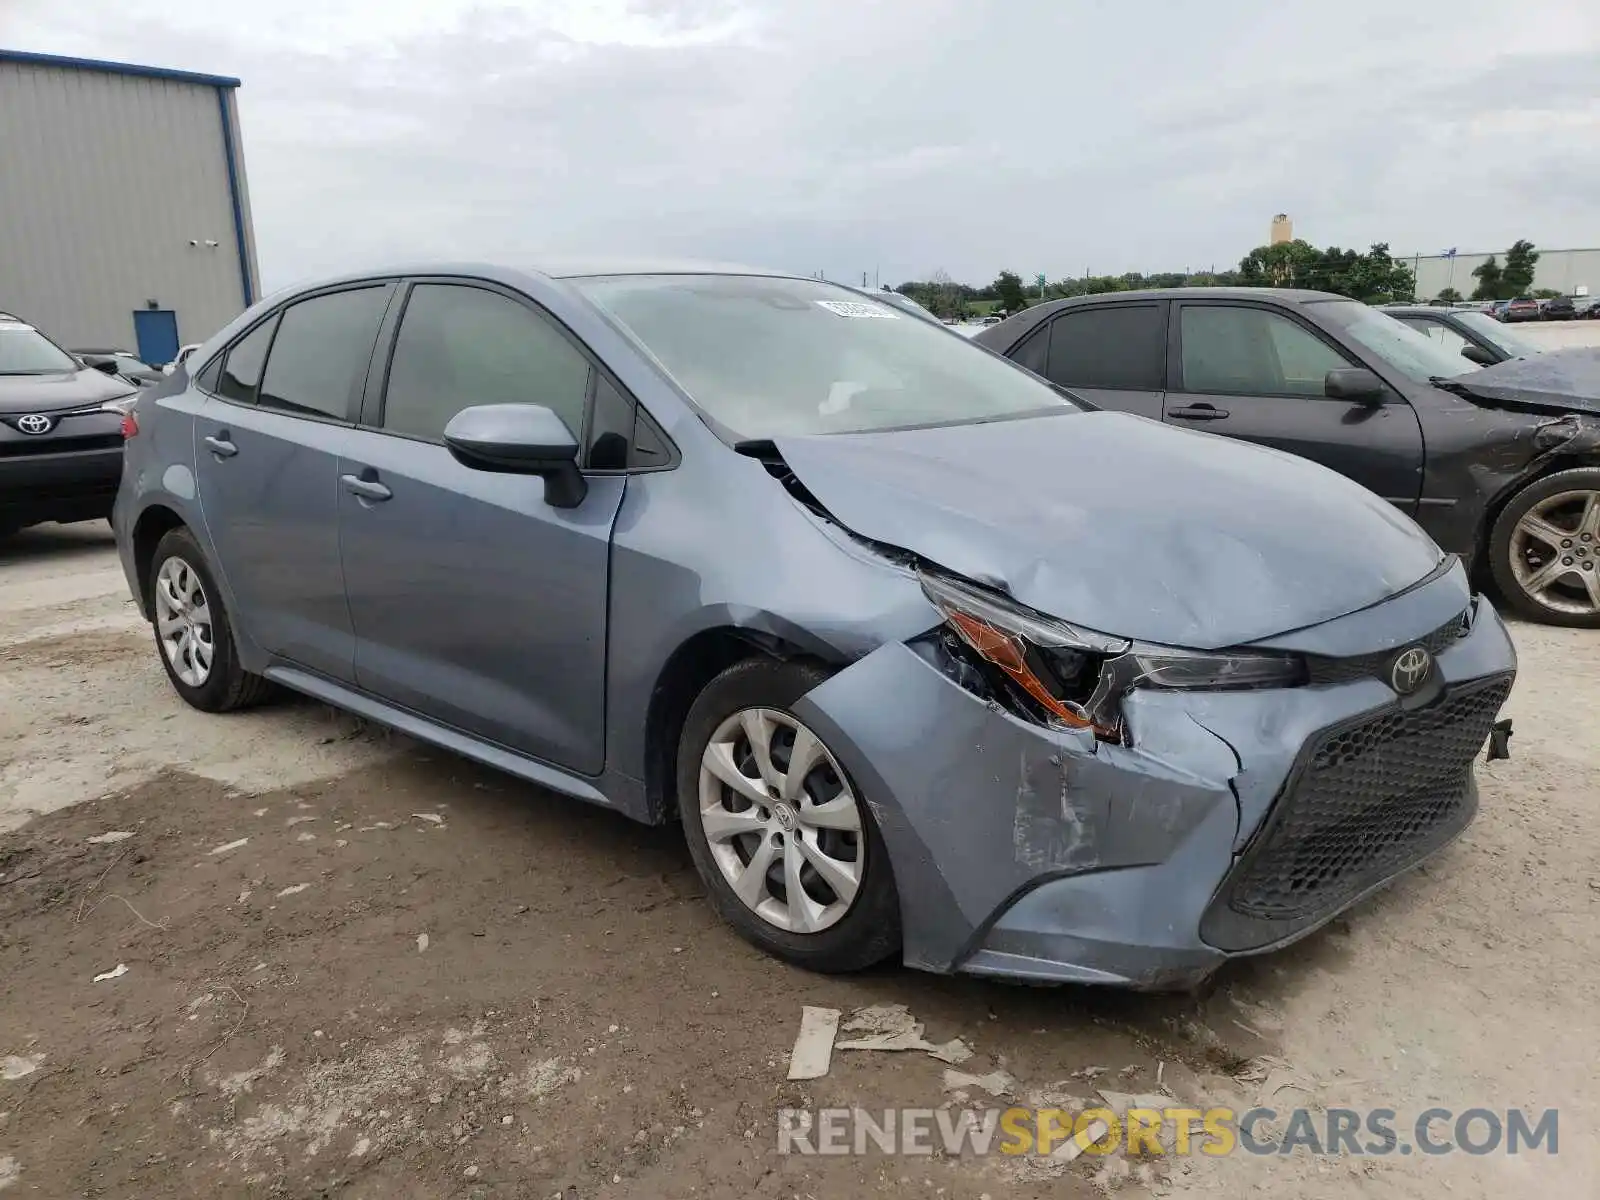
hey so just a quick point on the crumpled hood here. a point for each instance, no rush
(1123, 524)
(1565, 379)
(52, 393)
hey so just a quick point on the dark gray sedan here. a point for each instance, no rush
(928, 660)
(1473, 334)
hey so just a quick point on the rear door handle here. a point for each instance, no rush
(221, 446)
(367, 489)
(1199, 412)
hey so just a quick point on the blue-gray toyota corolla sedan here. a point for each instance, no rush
(927, 657)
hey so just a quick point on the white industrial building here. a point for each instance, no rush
(124, 216)
(1570, 272)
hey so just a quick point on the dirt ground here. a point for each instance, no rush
(354, 966)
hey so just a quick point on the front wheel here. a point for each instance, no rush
(787, 847)
(1544, 549)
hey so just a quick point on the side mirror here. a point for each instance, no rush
(520, 439)
(1354, 383)
(107, 367)
(1473, 352)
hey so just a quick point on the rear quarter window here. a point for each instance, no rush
(1117, 347)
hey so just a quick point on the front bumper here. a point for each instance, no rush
(63, 485)
(1231, 825)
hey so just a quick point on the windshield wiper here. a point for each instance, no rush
(1449, 385)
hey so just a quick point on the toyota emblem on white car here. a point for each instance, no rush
(35, 423)
(1410, 669)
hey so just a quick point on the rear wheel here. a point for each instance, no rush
(1544, 550)
(193, 633)
(780, 834)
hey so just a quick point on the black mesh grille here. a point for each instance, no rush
(1376, 666)
(1368, 799)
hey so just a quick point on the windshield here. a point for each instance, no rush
(1413, 354)
(765, 357)
(26, 351)
(1498, 334)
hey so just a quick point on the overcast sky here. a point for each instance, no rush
(900, 136)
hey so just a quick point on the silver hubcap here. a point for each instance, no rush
(782, 823)
(1555, 552)
(183, 622)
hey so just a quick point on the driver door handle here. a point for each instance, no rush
(221, 446)
(367, 489)
(1199, 412)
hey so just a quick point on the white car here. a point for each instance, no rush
(183, 355)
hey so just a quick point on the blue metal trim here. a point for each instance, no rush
(116, 68)
(233, 194)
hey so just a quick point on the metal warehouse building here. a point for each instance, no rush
(124, 218)
(1566, 271)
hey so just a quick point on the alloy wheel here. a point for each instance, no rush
(1555, 552)
(183, 621)
(783, 824)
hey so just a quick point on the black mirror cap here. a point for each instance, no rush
(1481, 355)
(1354, 383)
(107, 366)
(520, 439)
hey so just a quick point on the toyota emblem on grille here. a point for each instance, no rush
(35, 423)
(1410, 669)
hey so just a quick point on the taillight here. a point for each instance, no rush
(123, 407)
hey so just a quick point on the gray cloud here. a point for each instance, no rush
(901, 135)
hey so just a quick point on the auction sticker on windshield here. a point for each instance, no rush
(858, 308)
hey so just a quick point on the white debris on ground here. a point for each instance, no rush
(293, 890)
(996, 1083)
(241, 1082)
(422, 942)
(116, 972)
(433, 818)
(110, 837)
(10, 1171)
(227, 846)
(16, 1066)
(892, 1027)
(540, 1079)
(813, 1045)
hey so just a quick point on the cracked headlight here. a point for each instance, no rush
(1066, 675)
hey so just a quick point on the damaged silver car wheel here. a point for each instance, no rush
(783, 825)
(1545, 549)
(786, 844)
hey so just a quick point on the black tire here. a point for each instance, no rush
(1577, 479)
(228, 686)
(869, 931)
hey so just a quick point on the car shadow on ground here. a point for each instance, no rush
(40, 543)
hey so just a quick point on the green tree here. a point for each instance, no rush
(1008, 291)
(1517, 277)
(1373, 277)
(1490, 279)
(1544, 293)
(1449, 295)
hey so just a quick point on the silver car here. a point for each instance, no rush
(928, 658)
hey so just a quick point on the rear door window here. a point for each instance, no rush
(1252, 352)
(241, 372)
(319, 358)
(1119, 346)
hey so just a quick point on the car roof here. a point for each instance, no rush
(1025, 320)
(551, 268)
(1422, 310)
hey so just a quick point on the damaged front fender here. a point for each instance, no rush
(977, 806)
